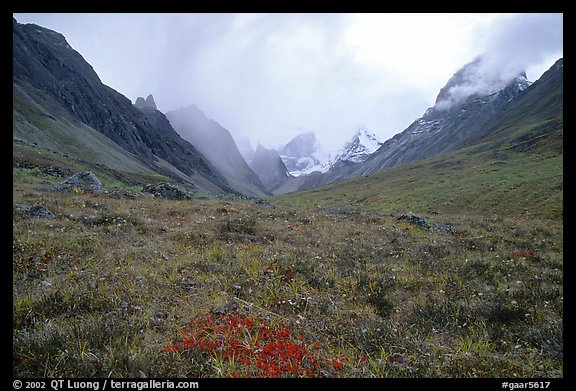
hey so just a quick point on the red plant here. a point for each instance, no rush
(254, 349)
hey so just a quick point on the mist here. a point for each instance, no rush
(269, 77)
(518, 45)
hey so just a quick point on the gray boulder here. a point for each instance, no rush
(419, 221)
(167, 190)
(83, 181)
(38, 211)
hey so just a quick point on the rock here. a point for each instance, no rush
(413, 219)
(421, 222)
(83, 181)
(167, 190)
(396, 360)
(36, 211)
(148, 103)
(140, 102)
(223, 309)
(40, 212)
(161, 314)
(445, 229)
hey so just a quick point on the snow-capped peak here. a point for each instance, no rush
(363, 144)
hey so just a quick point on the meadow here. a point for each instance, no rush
(128, 285)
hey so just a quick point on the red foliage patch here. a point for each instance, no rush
(254, 349)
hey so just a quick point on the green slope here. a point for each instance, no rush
(470, 181)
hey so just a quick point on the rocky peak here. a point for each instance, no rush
(359, 148)
(145, 103)
(477, 79)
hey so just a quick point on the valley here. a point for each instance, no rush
(437, 253)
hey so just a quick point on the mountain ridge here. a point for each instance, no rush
(47, 68)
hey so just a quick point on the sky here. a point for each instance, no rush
(269, 77)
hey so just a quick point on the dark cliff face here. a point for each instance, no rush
(43, 60)
(270, 168)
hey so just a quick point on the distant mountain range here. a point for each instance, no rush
(60, 104)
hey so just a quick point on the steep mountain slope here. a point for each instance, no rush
(515, 169)
(269, 167)
(218, 146)
(53, 79)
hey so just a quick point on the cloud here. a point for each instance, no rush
(510, 46)
(269, 77)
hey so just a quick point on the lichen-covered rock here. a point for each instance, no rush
(167, 190)
(419, 221)
(83, 181)
(38, 211)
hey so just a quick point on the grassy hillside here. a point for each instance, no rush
(516, 172)
(47, 125)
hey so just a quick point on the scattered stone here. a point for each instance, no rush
(223, 309)
(421, 222)
(413, 219)
(33, 273)
(161, 314)
(83, 181)
(167, 190)
(445, 229)
(54, 171)
(188, 285)
(46, 284)
(38, 211)
(396, 360)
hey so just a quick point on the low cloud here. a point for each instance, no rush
(511, 45)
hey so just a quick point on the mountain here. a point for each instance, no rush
(217, 144)
(269, 167)
(245, 149)
(514, 169)
(456, 119)
(303, 155)
(463, 107)
(363, 144)
(145, 103)
(60, 102)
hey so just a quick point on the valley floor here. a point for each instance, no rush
(105, 287)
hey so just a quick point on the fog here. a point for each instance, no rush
(269, 77)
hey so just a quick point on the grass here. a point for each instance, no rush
(519, 174)
(104, 297)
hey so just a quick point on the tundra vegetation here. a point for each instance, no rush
(125, 284)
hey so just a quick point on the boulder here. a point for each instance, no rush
(83, 181)
(35, 211)
(167, 190)
(421, 222)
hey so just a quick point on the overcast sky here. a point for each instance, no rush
(268, 77)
